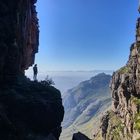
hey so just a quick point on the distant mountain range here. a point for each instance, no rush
(65, 80)
(86, 101)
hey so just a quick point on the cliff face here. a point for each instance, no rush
(19, 37)
(29, 110)
(123, 121)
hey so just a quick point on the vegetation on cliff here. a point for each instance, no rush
(124, 119)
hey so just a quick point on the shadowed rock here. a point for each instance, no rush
(19, 37)
(29, 110)
(79, 136)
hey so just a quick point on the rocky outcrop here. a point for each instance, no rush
(125, 86)
(19, 37)
(104, 125)
(30, 111)
(79, 136)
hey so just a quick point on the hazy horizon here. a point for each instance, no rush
(65, 80)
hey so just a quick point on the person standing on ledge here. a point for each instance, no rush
(35, 70)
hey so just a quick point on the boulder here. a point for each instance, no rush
(79, 136)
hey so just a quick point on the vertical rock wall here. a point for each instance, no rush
(124, 119)
(29, 110)
(19, 37)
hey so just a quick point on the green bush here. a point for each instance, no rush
(124, 69)
(137, 122)
(136, 100)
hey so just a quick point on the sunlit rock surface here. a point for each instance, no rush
(123, 121)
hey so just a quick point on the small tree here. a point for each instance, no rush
(48, 81)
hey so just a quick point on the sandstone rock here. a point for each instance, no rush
(125, 86)
(19, 38)
(104, 125)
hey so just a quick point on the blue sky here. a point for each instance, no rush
(85, 34)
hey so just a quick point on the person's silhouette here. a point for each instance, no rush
(35, 70)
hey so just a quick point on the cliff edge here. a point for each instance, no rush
(123, 121)
(29, 110)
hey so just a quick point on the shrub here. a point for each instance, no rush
(48, 81)
(124, 69)
(137, 122)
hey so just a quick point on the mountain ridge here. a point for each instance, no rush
(86, 101)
